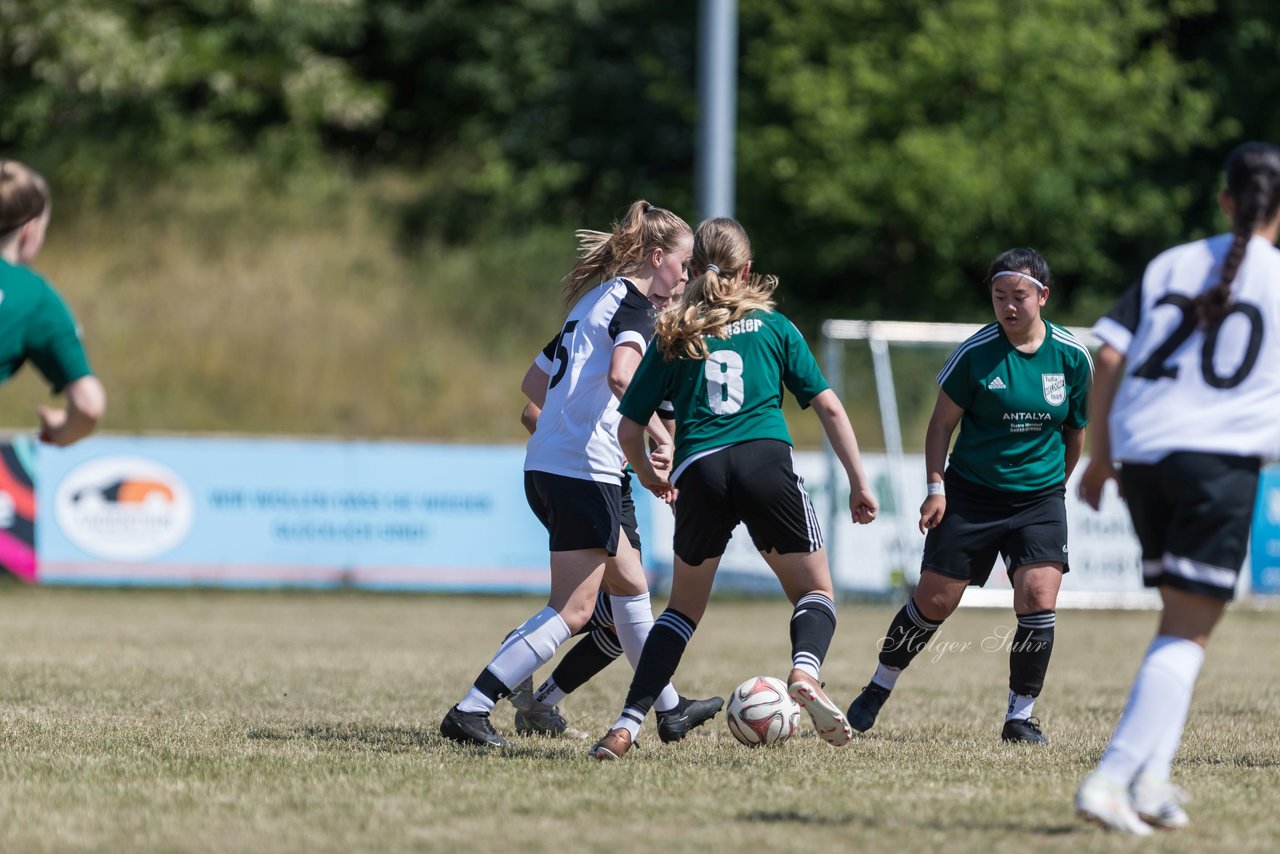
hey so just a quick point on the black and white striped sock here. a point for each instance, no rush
(663, 650)
(908, 634)
(813, 624)
(1029, 661)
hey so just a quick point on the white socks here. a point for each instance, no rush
(525, 650)
(1020, 706)
(632, 620)
(1151, 727)
(886, 677)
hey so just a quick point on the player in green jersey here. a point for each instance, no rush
(722, 358)
(1018, 389)
(35, 324)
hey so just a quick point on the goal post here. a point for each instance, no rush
(1105, 561)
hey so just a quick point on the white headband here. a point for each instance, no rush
(1031, 279)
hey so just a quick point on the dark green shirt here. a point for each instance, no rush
(1015, 406)
(35, 324)
(733, 396)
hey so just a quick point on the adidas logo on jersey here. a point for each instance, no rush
(996, 384)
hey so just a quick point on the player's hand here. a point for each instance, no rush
(661, 456)
(657, 483)
(1094, 479)
(863, 506)
(932, 511)
(52, 421)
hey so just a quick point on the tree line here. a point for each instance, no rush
(887, 149)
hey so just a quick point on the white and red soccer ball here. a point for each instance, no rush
(762, 712)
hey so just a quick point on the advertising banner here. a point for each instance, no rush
(253, 512)
(1265, 546)
(17, 508)
(275, 512)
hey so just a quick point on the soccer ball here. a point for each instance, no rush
(762, 712)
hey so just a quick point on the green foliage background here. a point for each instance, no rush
(402, 178)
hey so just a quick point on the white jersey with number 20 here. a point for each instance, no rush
(1188, 389)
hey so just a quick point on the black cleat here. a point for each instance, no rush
(470, 728)
(863, 710)
(674, 724)
(1024, 730)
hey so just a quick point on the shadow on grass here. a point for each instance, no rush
(853, 819)
(386, 739)
(1246, 760)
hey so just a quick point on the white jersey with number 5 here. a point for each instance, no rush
(577, 433)
(1186, 389)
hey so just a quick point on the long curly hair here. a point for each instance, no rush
(715, 297)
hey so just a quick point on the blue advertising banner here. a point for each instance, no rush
(262, 512)
(1265, 546)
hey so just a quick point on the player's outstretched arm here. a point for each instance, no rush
(86, 404)
(835, 422)
(937, 440)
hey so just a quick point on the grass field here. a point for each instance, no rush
(202, 721)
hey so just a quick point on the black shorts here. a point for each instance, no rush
(629, 525)
(982, 524)
(751, 482)
(1192, 513)
(578, 514)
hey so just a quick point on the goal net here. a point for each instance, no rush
(858, 356)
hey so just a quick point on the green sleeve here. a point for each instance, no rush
(801, 375)
(53, 343)
(954, 380)
(1078, 408)
(647, 389)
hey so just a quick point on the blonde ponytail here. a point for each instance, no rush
(714, 299)
(621, 252)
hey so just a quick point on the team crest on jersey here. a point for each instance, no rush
(1055, 388)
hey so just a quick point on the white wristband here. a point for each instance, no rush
(936, 488)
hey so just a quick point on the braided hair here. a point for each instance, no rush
(1253, 183)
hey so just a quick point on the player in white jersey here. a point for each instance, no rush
(573, 466)
(537, 711)
(1187, 401)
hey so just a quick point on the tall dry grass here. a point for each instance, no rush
(223, 305)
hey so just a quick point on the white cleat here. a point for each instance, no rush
(1159, 803)
(1106, 803)
(827, 718)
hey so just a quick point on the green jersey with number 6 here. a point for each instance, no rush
(733, 396)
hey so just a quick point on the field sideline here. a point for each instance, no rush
(208, 721)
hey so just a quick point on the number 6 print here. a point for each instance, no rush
(724, 382)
